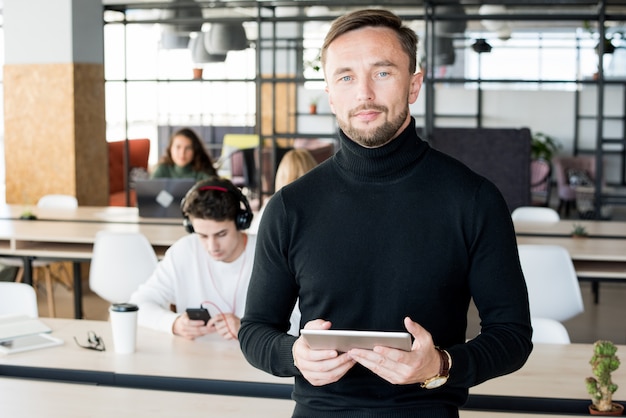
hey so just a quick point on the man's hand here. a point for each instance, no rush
(402, 367)
(189, 328)
(227, 325)
(320, 367)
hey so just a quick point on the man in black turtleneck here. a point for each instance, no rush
(388, 235)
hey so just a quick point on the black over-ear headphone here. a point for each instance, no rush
(243, 218)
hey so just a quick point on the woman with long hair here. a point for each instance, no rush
(185, 157)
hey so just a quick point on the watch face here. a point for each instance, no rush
(435, 382)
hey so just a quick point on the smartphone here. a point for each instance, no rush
(199, 313)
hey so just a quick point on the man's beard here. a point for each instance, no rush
(373, 138)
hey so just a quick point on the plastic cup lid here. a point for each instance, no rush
(124, 307)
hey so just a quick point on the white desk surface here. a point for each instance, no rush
(158, 354)
(553, 371)
(21, 398)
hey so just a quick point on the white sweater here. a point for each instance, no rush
(188, 277)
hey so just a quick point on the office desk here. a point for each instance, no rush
(73, 241)
(551, 381)
(162, 361)
(32, 398)
(595, 259)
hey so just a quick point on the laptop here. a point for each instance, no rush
(160, 198)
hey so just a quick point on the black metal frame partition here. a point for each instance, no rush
(264, 13)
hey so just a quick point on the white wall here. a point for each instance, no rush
(53, 31)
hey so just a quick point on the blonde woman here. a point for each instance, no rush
(295, 163)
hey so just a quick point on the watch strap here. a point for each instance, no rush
(446, 362)
(444, 371)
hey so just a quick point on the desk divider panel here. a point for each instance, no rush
(501, 155)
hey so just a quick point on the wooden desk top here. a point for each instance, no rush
(553, 371)
(584, 249)
(73, 239)
(101, 214)
(596, 229)
(31, 398)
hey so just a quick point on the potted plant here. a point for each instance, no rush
(579, 231)
(608, 46)
(28, 215)
(314, 64)
(313, 105)
(543, 147)
(600, 386)
(197, 73)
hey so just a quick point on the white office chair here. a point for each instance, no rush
(121, 261)
(553, 288)
(549, 331)
(535, 214)
(55, 201)
(58, 201)
(19, 299)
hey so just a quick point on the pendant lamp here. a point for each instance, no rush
(444, 51)
(199, 54)
(481, 46)
(223, 37)
(449, 27)
(176, 35)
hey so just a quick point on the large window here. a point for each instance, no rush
(148, 85)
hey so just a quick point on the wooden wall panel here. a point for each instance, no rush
(55, 139)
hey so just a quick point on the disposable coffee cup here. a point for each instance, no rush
(124, 327)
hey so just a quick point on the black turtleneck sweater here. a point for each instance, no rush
(372, 236)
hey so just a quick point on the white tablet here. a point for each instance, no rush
(344, 340)
(29, 342)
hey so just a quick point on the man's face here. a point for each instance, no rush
(369, 85)
(221, 240)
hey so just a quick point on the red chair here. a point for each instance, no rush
(139, 153)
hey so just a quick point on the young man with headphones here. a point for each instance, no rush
(208, 269)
